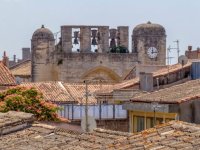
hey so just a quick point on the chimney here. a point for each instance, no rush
(189, 48)
(26, 53)
(146, 81)
(5, 60)
(198, 49)
(14, 58)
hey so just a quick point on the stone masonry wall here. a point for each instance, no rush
(123, 32)
(76, 67)
(42, 67)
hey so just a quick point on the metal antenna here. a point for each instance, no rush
(168, 56)
(168, 60)
(178, 50)
(168, 51)
(56, 36)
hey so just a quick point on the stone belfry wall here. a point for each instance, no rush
(85, 38)
(103, 37)
(103, 41)
(66, 37)
(123, 36)
(42, 45)
(90, 52)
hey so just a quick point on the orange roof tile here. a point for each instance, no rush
(135, 81)
(171, 69)
(171, 135)
(175, 94)
(67, 92)
(52, 91)
(6, 77)
(77, 91)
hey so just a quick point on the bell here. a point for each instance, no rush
(76, 33)
(94, 35)
(76, 41)
(112, 43)
(94, 41)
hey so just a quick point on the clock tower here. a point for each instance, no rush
(149, 42)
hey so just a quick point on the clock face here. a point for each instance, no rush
(152, 52)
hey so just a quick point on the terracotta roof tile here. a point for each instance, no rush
(52, 91)
(135, 81)
(51, 137)
(6, 77)
(67, 92)
(175, 94)
(171, 69)
(77, 91)
(10, 119)
(172, 135)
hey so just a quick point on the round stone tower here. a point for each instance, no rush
(42, 44)
(149, 41)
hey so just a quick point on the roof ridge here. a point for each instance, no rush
(16, 65)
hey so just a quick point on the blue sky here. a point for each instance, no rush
(20, 18)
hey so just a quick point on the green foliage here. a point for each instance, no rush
(30, 101)
(119, 49)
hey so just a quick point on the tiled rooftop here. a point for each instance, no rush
(175, 94)
(169, 136)
(77, 91)
(135, 81)
(6, 77)
(172, 135)
(22, 69)
(67, 92)
(13, 121)
(52, 91)
(172, 69)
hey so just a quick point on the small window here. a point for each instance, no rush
(105, 102)
(149, 123)
(140, 124)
